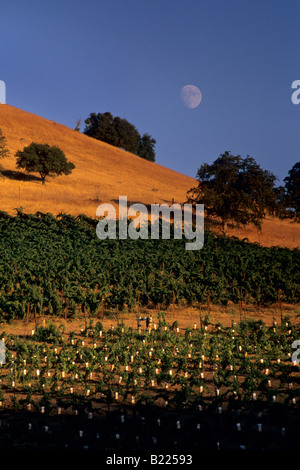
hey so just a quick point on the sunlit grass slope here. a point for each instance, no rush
(102, 174)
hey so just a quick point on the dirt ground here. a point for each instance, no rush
(186, 317)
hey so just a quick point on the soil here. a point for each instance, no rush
(186, 317)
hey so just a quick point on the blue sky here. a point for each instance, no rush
(65, 59)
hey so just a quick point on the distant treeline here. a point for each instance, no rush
(120, 133)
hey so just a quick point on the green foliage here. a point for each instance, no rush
(50, 333)
(146, 148)
(44, 159)
(128, 135)
(57, 265)
(292, 186)
(237, 363)
(236, 189)
(101, 127)
(120, 133)
(4, 152)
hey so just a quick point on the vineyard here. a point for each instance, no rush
(57, 266)
(158, 386)
(208, 387)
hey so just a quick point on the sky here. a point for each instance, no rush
(65, 59)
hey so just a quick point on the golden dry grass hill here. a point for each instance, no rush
(102, 173)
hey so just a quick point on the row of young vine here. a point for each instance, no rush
(51, 265)
(245, 368)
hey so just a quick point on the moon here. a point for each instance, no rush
(191, 96)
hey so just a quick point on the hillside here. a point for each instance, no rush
(102, 173)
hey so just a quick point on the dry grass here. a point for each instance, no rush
(186, 317)
(102, 173)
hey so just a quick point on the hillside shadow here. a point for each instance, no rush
(19, 176)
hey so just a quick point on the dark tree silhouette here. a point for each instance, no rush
(146, 148)
(128, 136)
(292, 188)
(101, 127)
(235, 189)
(43, 159)
(120, 133)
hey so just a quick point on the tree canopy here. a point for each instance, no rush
(147, 148)
(292, 189)
(128, 137)
(235, 189)
(120, 133)
(4, 152)
(44, 159)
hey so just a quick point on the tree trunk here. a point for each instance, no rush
(225, 226)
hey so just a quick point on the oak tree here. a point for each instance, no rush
(44, 159)
(235, 189)
(292, 189)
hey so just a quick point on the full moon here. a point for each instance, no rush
(191, 96)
